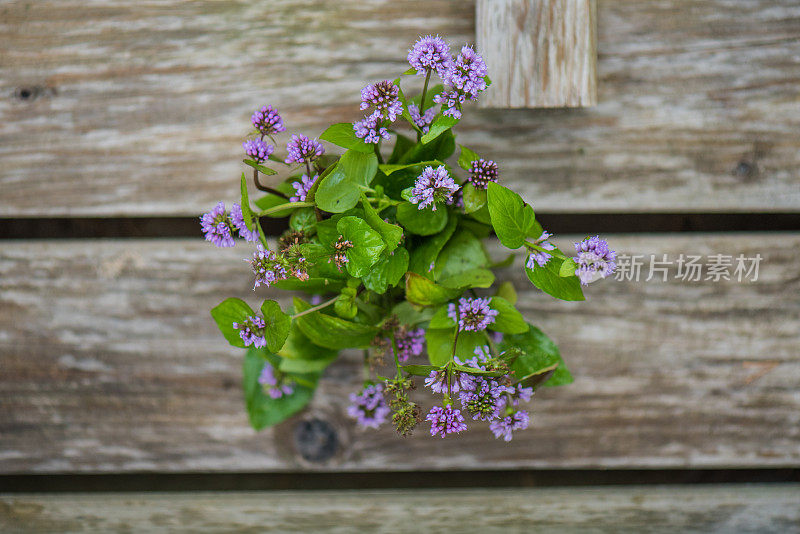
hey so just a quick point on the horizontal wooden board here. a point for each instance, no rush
(121, 108)
(755, 509)
(111, 363)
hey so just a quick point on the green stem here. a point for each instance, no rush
(555, 253)
(395, 351)
(422, 100)
(266, 188)
(378, 152)
(316, 308)
(261, 236)
(492, 346)
(281, 207)
(366, 368)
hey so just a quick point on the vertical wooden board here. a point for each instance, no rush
(543, 53)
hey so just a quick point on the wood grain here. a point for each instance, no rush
(543, 53)
(756, 509)
(111, 363)
(132, 108)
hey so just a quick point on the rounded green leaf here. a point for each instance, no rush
(367, 245)
(387, 271)
(508, 320)
(342, 134)
(277, 325)
(512, 219)
(421, 221)
(332, 332)
(423, 292)
(231, 311)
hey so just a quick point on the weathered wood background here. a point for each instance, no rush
(121, 107)
(109, 362)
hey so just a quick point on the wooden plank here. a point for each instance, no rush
(758, 509)
(111, 363)
(543, 53)
(139, 108)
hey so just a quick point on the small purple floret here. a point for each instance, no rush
(257, 149)
(369, 407)
(472, 314)
(538, 257)
(409, 343)
(370, 129)
(437, 381)
(301, 149)
(482, 172)
(218, 226)
(432, 53)
(445, 421)
(432, 186)
(251, 330)
(267, 121)
(272, 384)
(503, 428)
(384, 96)
(594, 259)
(238, 221)
(267, 267)
(302, 188)
(423, 121)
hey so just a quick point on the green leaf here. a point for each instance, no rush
(464, 252)
(440, 344)
(277, 325)
(231, 311)
(303, 219)
(411, 315)
(391, 233)
(474, 199)
(440, 149)
(388, 169)
(548, 280)
(506, 290)
(441, 124)
(470, 279)
(299, 355)
(345, 306)
(423, 292)
(260, 168)
(332, 332)
(440, 319)
(509, 320)
(410, 71)
(247, 214)
(263, 410)
(421, 221)
(343, 135)
(567, 268)
(512, 219)
(402, 145)
(387, 271)
(425, 254)
(311, 195)
(466, 158)
(538, 354)
(419, 370)
(367, 245)
(482, 215)
(340, 190)
(316, 285)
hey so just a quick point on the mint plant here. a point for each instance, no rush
(386, 247)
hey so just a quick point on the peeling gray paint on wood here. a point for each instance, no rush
(543, 53)
(757, 508)
(111, 363)
(120, 108)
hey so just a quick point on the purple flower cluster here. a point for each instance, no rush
(267, 121)
(409, 343)
(432, 186)
(503, 428)
(218, 225)
(273, 383)
(481, 172)
(237, 218)
(466, 77)
(422, 121)
(369, 407)
(438, 382)
(268, 267)
(445, 420)
(430, 53)
(539, 257)
(257, 149)
(301, 149)
(251, 330)
(384, 96)
(472, 313)
(302, 188)
(594, 259)
(371, 129)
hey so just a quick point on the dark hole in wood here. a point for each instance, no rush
(745, 169)
(316, 440)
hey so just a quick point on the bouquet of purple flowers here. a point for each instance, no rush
(387, 247)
